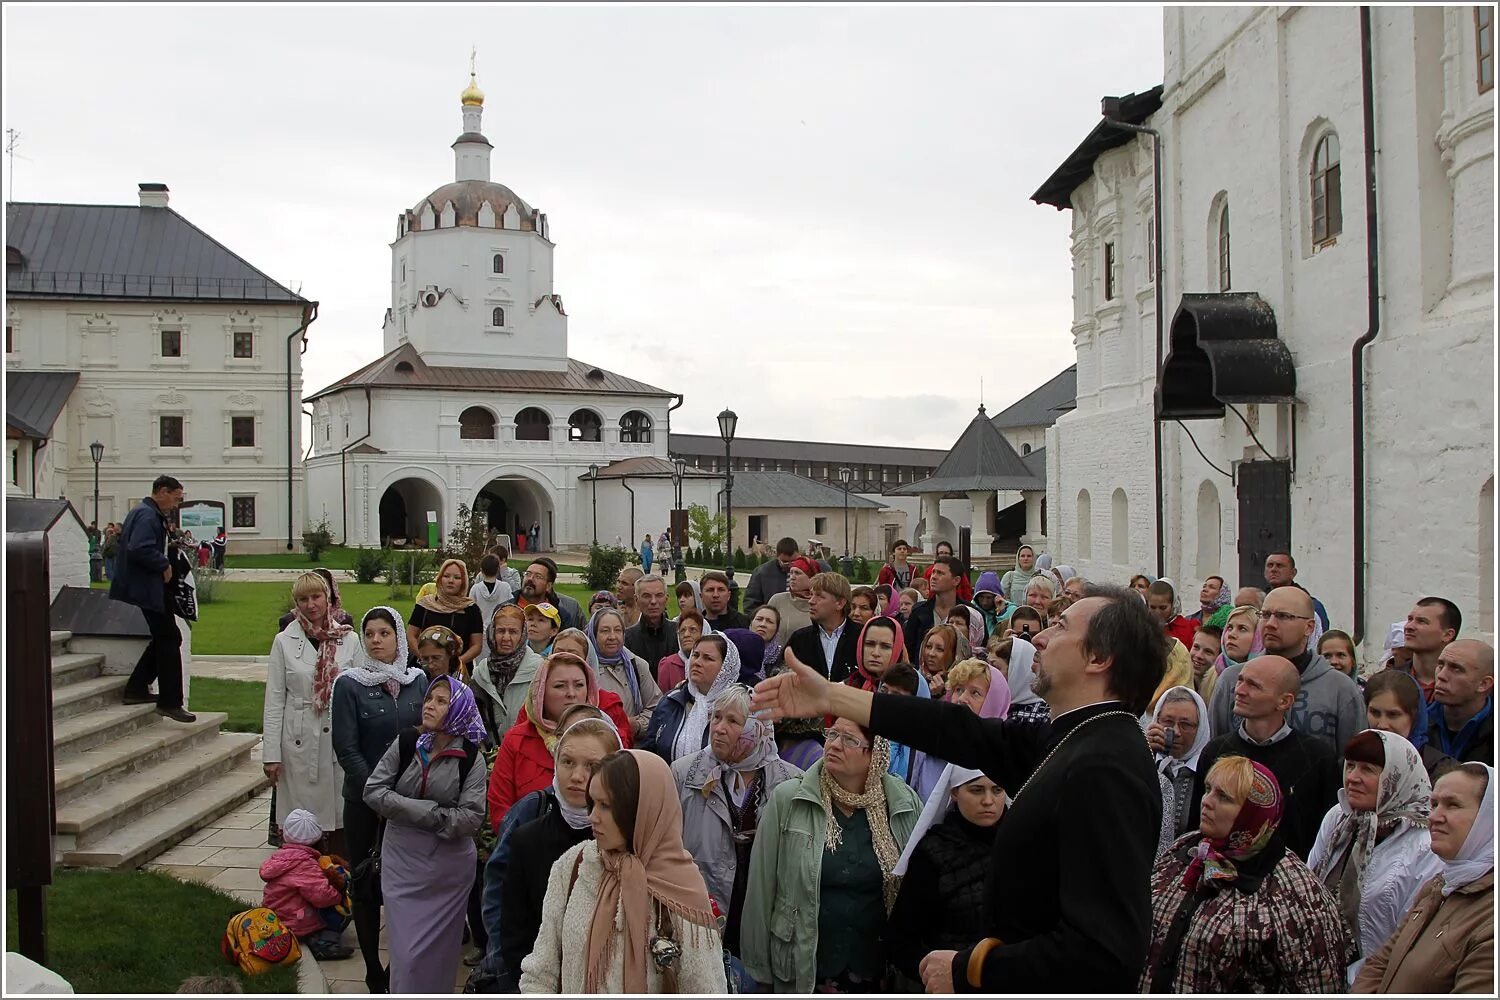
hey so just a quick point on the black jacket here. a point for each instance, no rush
(365, 722)
(652, 645)
(807, 643)
(534, 847)
(1082, 928)
(768, 580)
(729, 619)
(143, 555)
(1306, 770)
(919, 623)
(941, 901)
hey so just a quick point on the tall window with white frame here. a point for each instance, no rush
(497, 264)
(1327, 207)
(242, 432)
(242, 512)
(497, 317)
(1150, 243)
(244, 343)
(1224, 248)
(169, 431)
(171, 343)
(1109, 271)
(1484, 47)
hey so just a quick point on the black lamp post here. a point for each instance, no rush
(728, 421)
(594, 478)
(679, 571)
(846, 474)
(96, 558)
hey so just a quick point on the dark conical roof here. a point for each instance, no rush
(981, 459)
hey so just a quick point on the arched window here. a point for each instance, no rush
(1026, 449)
(585, 425)
(1119, 529)
(1327, 207)
(476, 424)
(635, 428)
(1208, 529)
(498, 264)
(1224, 248)
(497, 316)
(533, 424)
(1085, 525)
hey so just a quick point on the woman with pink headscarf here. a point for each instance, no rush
(984, 691)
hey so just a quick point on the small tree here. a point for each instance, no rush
(468, 540)
(712, 532)
(605, 563)
(316, 540)
(369, 564)
(739, 558)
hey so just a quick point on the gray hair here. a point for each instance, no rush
(1177, 694)
(650, 578)
(1042, 583)
(735, 696)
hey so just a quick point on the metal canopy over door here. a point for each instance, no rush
(1265, 517)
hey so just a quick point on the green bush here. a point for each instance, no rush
(316, 540)
(604, 566)
(408, 567)
(206, 583)
(740, 561)
(369, 564)
(862, 569)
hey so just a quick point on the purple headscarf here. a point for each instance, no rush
(752, 652)
(463, 714)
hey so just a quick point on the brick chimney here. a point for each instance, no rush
(153, 195)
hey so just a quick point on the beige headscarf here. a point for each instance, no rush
(656, 868)
(442, 603)
(872, 801)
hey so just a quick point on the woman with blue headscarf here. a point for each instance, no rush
(429, 790)
(620, 670)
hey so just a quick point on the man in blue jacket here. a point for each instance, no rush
(142, 572)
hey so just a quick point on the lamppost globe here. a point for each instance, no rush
(846, 474)
(728, 422)
(96, 451)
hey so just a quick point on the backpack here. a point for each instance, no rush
(408, 753)
(255, 940)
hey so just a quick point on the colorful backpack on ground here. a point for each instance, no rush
(256, 940)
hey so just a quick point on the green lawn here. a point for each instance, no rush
(243, 700)
(139, 932)
(337, 557)
(242, 618)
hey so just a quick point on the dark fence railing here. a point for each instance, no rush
(145, 286)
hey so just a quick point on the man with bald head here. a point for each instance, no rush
(1264, 692)
(1461, 717)
(1328, 705)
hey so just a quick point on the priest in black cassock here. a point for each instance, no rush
(1068, 902)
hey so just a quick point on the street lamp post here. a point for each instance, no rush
(96, 555)
(679, 571)
(728, 421)
(846, 474)
(594, 479)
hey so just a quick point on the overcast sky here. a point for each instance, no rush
(819, 217)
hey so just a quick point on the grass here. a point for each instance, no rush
(139, 932)
(243, 700)
(337, 557)
(242, 618)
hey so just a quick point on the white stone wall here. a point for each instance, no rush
(1248, 94)
(866, 527)
(67, 555)
(126, 385)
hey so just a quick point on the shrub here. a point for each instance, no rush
(862, 569)
(605, 564)
(316, 540)
(206, 581)
(469, 539)
(369, 564)
(739, 559)
(408, 567)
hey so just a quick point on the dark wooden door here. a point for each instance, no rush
(1265, 517)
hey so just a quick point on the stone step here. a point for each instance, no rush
(93, 729)
(86, 696)
(70, 668)
(60, 641)
(88, 772)
(135, 844)
(120, 803)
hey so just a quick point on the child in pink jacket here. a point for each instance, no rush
(301, 893)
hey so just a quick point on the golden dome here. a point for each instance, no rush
(472, 95)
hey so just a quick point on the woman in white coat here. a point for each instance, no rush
(306, 658)
(1373, 850)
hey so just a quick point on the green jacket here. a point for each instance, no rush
(779, 927)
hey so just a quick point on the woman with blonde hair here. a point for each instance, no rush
(450, 605)
(980, 688)
(631, 896)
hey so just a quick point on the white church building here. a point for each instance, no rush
(1323, 378)
(476, 401)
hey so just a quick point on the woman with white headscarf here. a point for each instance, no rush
(1446, 942)
(1178, 732)
(943, 870)
(679, 725)
(1373, 851)
(1025, 704)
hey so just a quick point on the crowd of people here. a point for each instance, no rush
(1028, 783)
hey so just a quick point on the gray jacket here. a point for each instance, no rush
(708, 830)
(1329, 706)
(441, 807)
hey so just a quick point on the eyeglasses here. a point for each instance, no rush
(429, 661)
(1282, 616)
(848, 742)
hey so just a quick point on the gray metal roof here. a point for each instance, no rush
(1057, 190)
(806, 451)
(1037, 463)
(981, 459)
(1044, 404)
(23, 514)
(34, 399)
(646, 468)
(125, 252)
(787, 489)
(85, 611)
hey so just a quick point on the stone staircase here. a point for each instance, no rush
(129, 783)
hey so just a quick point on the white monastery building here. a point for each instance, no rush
(476, 401)
(1323, 382)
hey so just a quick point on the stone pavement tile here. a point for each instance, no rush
(350, 969)
(243, 821)
(235, 838)
(238, 878)
(196, 837)
(241, 857)
(188, 873)
(250, 897)
(187, 855)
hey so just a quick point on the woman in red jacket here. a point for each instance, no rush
(524, 763)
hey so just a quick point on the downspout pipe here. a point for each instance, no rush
(632, 508)
(1109, 105)
(1372, 300)
(293, 416)
(344, 465)
(675, 406)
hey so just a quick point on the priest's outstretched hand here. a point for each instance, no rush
(798, 692)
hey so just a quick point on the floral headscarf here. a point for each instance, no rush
(327, 636)
(756, 746)
(872, 801)
(1404, 798)
(462, 719)
(1259, 817)
(371, 672)
(503, 667)
(442, 603)
(695, 724)
(975, 619)
(1222, 662)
